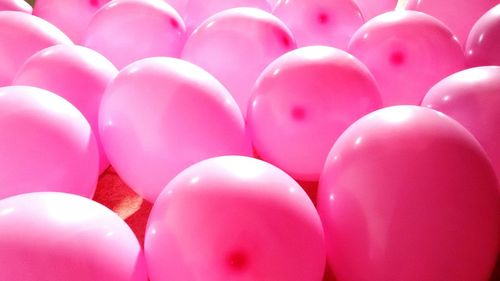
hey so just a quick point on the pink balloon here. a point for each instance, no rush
(46, 144)
(407, 193)
(236, 45)
(22, 35)
(407, 52)
(58, 236)
(373, 8)
(303, 101)
(483, 43)
(234, 218)
(320, 22)
(75, 73)
(161, 115)
(15, 5)
(128, 30)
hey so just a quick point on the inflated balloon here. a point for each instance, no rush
(128, 30)
(161, 115)
(236, 45)
(483, 43)
(46, 144)
(234, 218)
(15, 5)
(408, 193)
(320, 22)
(303, 101)
(75, 73)
(22, 35)
(57, 236)
(407, 52)
(372, 8)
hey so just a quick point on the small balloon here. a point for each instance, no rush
(15, 5)
(373, 8)
(483, 43)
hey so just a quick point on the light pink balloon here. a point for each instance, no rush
(22, 35)
(483, 43)
(373, 8)
(128, 30)
(320, 22)
(234, 218)
(75, 73)
(46, 144)
(407, 193)
(407, 52)
(236, 45)
(15, 5)
(303, 101)
(57, 236)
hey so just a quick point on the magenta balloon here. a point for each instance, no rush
(320, 22)
(303, 101)
(483, 43)
(22, 35)
(407, 52)
(236, 45)
(15, 5)
(46, 144)
(372, 8)
(128, 30)
(50, 236)
(75, 73)
(234, 218)
(407, 193)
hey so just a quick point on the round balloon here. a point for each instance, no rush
(234, 218)
(483, 43)
(15, 5)
(407, 193)
(57, 236)
(372, 8)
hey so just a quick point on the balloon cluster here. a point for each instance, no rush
(217, 110)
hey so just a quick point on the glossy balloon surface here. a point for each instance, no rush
(373, 8)
(15, 5)
(483, 43)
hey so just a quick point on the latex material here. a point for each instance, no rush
(234, 218)
(236, 45)
(303, 101)
(407, 52)
(15, 5)
(46, 144)
(320, 22)
(75, 73)
(483, 43)
(373, 8)
(161, 115)
(50, 236)
(128, 30)
(407, 193)
(22, 35)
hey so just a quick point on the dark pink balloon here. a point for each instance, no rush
(372, 8)
(483, 44)
(15, 5)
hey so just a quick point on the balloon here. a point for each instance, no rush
(407, 193)
(128, 30)
(320, 22)
(15, 5)
(234, 218)
(57, 236)
(236, 45)
(303, 101)
(22, 35)
(45, 144)
(161, 115)
(75, 73)
(407, 52)
(483, 43)
(372, 8)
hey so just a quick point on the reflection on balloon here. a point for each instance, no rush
(15, 5)
(483, 43)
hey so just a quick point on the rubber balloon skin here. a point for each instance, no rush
(407, 52)
(128, 30)
(47, 236)
(408, 193)
(373, 8)
(78, 74)
(301, 104)
(483, 43)
(22, 35)
(234, 218)
(236, 45)
(15, 5)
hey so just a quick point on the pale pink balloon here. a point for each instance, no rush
(57, 236)
(234, 218)
(320, 22)
(128, 30)
(303, 101)
(483, 43)
(407, 52)
(161, 115)
(373, 8)
(408, 193)
(22, 35)
(78, 74)
(46, 144)
(236, 45)
(15, 5)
